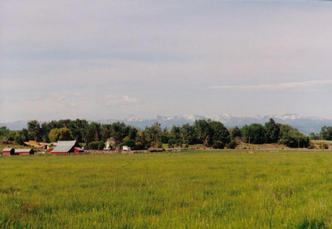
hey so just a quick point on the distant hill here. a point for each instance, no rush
(17, 125)
(303, 123)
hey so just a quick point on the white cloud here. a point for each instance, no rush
(276, 86)
(119, 100)
(154, 57)
(69, 105)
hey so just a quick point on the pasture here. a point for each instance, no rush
(194, 189)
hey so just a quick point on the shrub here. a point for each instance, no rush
(311, 146)
(231, 145)
(97, 145)
(159, 145)
(324, 146)
(218, 145)
(179, 143)
(295, 141)
(235, 133)
(171, 143)
(130, 143)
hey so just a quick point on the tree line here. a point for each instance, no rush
(324, 134)
(205, 132)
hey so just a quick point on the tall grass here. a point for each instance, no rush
(217, 189)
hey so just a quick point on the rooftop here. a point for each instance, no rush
(64, 146)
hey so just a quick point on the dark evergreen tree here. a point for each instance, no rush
(272, 131)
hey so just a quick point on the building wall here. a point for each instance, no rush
(6, 153)
(24, 154)
(59, 153)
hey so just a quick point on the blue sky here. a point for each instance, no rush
(115, 59)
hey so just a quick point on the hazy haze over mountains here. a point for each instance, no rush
(303, 123)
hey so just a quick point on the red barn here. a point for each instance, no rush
(8, 151)
(24, 152)
(65, 147)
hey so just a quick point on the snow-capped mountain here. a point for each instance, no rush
(305, 124)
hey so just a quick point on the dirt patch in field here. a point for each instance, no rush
(262, 146)
(321, 144)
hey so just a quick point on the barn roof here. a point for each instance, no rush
(7, 149)
(64, 146)
(22, 150)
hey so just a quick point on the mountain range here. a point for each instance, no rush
(305, 124)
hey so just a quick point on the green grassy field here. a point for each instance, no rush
(217, 189)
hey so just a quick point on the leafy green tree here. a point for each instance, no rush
(326, 132)
(220, 135)
(118, 132)
(92, 132)
(164, 136)
(123, 135)
(78, 127)
(211, 133)
(140, 141)
(235, 133)
(25, 134)
(171, 143)
(291, 137)
(35, 131)
(272, 131)
(65, 134)
(53, 135)
(254, 133)
(189, 134)
(131, 133)
(11, 135)
(175, 136)
(203, 131)
(314, 136)
(127, 141)
(60, 134)
(17, 136)
(153, 134)
(3, 132)
(105, 132)
(20, 137)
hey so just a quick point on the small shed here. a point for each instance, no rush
(64, 147)
(78, 150)
(126, 148)
(24, 152)
(8, 151)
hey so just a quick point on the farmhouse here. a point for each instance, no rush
(66, 147)
(110, 144)
(8, 151)
(24, 152)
